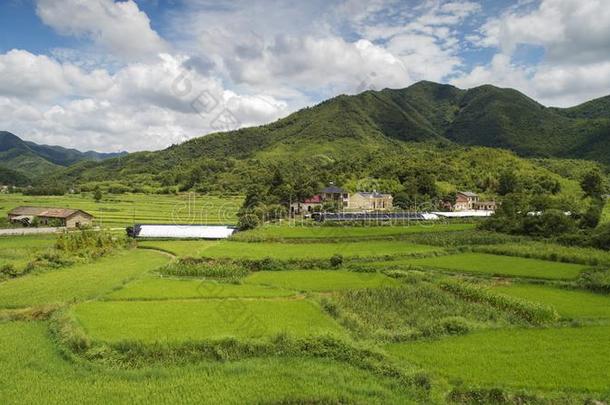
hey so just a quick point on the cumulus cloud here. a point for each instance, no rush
(141, 106)
(574, 37)
(119, 27)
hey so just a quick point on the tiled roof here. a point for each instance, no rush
(468, 193)
(332, 189)
(313, 200)
(373, 194)
(46, 212)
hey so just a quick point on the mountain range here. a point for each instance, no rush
(425, 113)
(21, 159)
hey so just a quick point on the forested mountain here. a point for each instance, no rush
(31, 159)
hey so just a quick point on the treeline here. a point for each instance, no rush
(540, 216)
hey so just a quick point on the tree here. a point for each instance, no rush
(508, 182)
(97, 194)
(593, 183)
(248, 221)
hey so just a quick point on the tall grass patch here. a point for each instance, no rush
(411, 311)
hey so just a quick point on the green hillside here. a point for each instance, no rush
(33, 160)
(394, 135)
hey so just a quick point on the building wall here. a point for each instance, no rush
(359, 202)
(78, 219)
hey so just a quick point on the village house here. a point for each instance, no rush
(65, 217)
(335, 194)
(308, 205)
(344, 201)
(362, 201)
(469, 201)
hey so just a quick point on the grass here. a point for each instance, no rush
(159, 288)
(20, 250)
(300, 231)
(569, 303)
(120, 210)
(78, 282)
(193, 320)
(558, 359)
(286, 251)
(33, 368)
(319, 280)
(495, 265)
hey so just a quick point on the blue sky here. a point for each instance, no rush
(134, 75)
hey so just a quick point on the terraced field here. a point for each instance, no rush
(20, 251)
(384, 330)
(126, 209)
(312, 280)
(191, 320)
(78, 282)
(573, 304)
(539, 359)
(299, 231)
(494, 265)
(287, 251)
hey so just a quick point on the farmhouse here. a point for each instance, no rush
(67, 217)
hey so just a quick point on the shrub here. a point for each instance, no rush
(248, 221)
(336, 260)
(9, 270)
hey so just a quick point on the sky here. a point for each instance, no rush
(145, 74)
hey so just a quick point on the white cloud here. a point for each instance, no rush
(119, 27)
(574, 36)
(141, 106)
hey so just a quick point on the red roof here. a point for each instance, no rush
(316, 199)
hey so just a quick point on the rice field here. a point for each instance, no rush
(150, 288)
(120, 210)
(286, 251)
(297, 230)
(19, 251)
(34, 371)
(494, 265)
(569, 303)
(80, 281)
(320, 280)
(191, 320)
(555, 359)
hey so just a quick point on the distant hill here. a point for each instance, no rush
(33, 160)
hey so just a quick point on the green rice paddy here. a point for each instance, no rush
(192, 320)
(569, 303)
(162, 288)
(286, 251)
(80, 281)
(34, 371)
(557, 359)
(312, 280)
(301, 231)
(495, 265)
